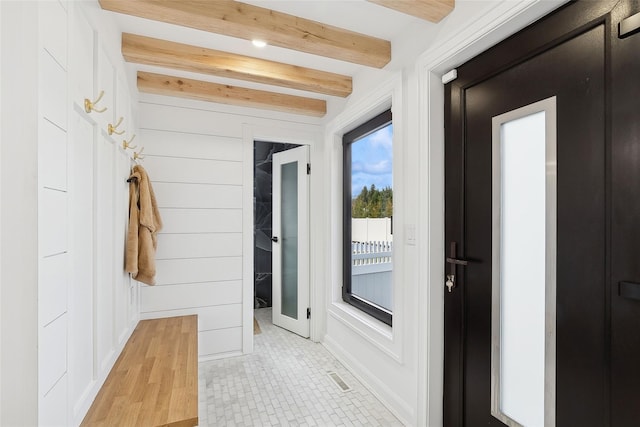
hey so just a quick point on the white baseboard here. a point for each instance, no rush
(209, 357)
(398, 407)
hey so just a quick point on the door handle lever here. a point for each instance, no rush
(457, 261)
(274, 239)
(453, 261)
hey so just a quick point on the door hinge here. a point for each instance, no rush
(308, 168)
(308, 313)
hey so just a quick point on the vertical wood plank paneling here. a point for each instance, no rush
(105, 82)
(121, 286)
(53, 280)
(52, 155)
(52, 354)
(85, 305)
(53, 95)
(53, 25)
(53, 222)
(81, 183)
(81, 302)
(104, 253)
(81, 43)
(53, 406)
(122, 108)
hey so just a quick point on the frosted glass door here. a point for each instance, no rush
(523, 278)
(290, 264)
(289, 239)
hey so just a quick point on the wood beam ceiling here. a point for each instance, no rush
(430, 10)
(204, 91)
(150, 51)
(249, 22)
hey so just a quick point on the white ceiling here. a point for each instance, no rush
(409, 36)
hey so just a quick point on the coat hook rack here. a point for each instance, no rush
(90, 106)
(127, 144)
(111, 129)
(137, 155)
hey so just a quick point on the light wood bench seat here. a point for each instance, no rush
(154, 382)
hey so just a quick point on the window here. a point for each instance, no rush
(368, 217)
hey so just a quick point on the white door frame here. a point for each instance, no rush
(505, 19)
(295, 133)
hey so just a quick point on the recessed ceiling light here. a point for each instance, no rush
(259, 43)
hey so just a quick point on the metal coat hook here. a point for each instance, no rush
(137, 154)
(90, 106)
(127, 144)
(111, 129)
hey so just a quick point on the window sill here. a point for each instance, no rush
(376, 332)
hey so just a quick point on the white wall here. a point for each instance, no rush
(66, 308)
(402, 365)
(184, 140)
(18, 203)
(0, 211)
(102, 303)
(197, 157)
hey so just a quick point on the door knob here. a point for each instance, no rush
(274, 239)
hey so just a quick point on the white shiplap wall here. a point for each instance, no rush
(196, 160)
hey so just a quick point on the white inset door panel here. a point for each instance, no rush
(290, 272)
(81, 252)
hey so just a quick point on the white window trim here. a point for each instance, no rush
(386, 338)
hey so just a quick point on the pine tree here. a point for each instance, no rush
(373, 203)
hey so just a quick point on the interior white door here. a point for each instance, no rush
(290, 275)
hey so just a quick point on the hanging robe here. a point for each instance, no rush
(144, 225)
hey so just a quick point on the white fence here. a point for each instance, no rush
(371, 272)
(371, 229)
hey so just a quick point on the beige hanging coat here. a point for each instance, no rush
(144, 225)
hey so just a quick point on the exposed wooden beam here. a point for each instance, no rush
(204, 91)
(430, 10)
(249, 22)
(146, 50)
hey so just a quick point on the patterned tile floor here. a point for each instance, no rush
(285, 382)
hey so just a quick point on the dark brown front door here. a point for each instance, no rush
(574, 58)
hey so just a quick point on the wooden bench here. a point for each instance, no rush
(154, 382)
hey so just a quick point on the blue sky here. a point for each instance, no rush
(372, 160)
